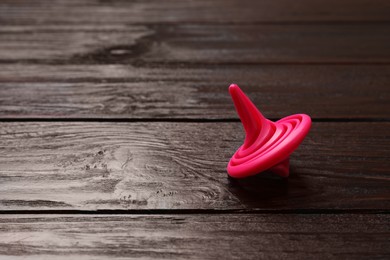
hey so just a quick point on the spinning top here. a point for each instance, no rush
(267, 144)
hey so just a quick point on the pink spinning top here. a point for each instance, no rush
(267, 144)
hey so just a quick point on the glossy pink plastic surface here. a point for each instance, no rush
(267, 144)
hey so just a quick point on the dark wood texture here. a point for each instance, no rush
(196, 44)
(243, 44)
(185, 11)
(183, 166)
(121, 108)
(120, 91)
(195, 236)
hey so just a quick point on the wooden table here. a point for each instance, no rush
(117, 126)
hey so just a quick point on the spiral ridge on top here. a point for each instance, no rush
(267, 144)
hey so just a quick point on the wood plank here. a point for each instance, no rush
(179, 11)
(61, 42)
(88, 166)
(120, 91)
(195, 236)
(196, 44)
(316, 43)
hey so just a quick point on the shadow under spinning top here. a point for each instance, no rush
(267, 144)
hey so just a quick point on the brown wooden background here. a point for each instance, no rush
(116, 127)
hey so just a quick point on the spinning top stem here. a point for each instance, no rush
(255, 124)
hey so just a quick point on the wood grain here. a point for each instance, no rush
(144, 188)
(195, 44)
(201, 11)
(236, 44)
(155, 165)
(58, 43)
(120, 91)
(195, 236)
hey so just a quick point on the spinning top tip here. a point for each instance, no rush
(233, 87)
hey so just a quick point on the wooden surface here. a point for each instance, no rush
(116, 128)
(183, 166)
(128, 92)
(102, 12)
(277, 236)
(196, 44)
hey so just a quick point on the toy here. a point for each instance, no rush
(267, 144)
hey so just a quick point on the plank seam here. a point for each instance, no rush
(181, 120)
(197, 211)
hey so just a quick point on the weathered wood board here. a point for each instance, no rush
(270, 236)
(89, 166)
(121, 91)
(103, 12)
(196, 44)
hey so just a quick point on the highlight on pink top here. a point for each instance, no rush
(267, 144)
